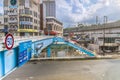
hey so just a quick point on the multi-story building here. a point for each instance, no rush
(53, 26)
(22, 17)
(105, 36)
(1, 25)
(50, 8)
(42, 16)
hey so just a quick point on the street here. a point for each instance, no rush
(68, 70)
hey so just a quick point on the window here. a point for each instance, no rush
(49, 27)
(25, 18)
(109, 40)
(30, 12)
(27, 11)
(5, 12)
(35, 27)
(35, 21)
(21, 2)
(20, 11)
(21, 18)
(30, 26)
(6, 3)
(5, 20)
(35, 14)
(31, 20)
(21, 26)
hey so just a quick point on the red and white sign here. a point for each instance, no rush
(9, 41)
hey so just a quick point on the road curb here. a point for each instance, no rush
(73, 58)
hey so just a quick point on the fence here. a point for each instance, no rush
(8, 61)
(21, 53)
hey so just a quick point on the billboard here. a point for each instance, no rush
(25, 52)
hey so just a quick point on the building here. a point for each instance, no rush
(22, 17)
(42, 16)
(1, 25)
(50, 8)
(105, 36)
(54, 27)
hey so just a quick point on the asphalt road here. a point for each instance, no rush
(68, 70)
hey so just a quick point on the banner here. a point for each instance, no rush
(25, 51)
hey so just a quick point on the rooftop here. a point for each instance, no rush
(53, 18)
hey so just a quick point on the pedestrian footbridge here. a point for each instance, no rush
(74, 45)
(25, 48)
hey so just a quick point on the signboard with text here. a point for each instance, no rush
(24, 52)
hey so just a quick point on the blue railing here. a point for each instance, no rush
(81, 49)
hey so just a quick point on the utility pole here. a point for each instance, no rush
(94, 28)
(105, 21)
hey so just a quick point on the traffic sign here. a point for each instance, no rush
(9, 41)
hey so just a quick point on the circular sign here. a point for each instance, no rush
(13, 2)
(9, 41)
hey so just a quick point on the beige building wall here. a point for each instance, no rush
(54, 25)
(27, 15)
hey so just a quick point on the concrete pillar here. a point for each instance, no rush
(48, 51)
